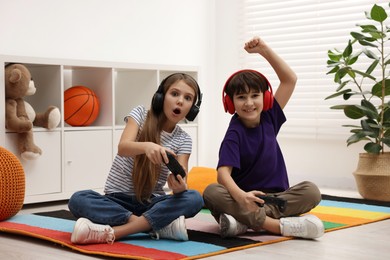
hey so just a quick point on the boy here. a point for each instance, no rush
(251, 162)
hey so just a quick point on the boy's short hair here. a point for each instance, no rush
(244, 81)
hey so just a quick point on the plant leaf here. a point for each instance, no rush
(352, 130)
(334, 70)
(367, 127)
(364, 74)
(378, 13)
(342, 85)
(386, 116)
(333, 63)
(369, 109)
(370, 54)
(387, 134)
(348, 50)
(368, 28)
(377, 35)
(338, 107)
(352, 59)
(373, 148)
(372, 67)
(374, 125)
(359, 136)
(353, 111)
(386, 141)
(351, 73)
(377, 88)
(334, 56)
(338, 94)
(367, 104)
(340, 74)
(367, 43)
(346, 96)
(357, 36)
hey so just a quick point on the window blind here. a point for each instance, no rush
(302, 32)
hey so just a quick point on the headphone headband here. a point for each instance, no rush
(267, 95)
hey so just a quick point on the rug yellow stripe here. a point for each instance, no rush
(355, 213)
(341, 219)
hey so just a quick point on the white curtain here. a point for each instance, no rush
(302, 32)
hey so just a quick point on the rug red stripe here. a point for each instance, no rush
(117, 249)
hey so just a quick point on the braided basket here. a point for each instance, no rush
(373, 176)
(12, 184)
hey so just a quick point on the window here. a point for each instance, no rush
(302, 32)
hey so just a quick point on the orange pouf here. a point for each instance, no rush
(81, 106)
(12, 184)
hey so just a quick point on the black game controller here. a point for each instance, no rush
(174, 166)
(269, 199)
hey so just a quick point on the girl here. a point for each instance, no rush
(134, 199)
(251, 162)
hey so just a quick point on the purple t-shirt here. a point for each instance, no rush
(254, 153)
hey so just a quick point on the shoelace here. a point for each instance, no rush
(107, 236)
(241, 228)
(165, 232)
(298, 229)
(154, 235)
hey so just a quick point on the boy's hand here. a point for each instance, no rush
(256, 45)
(249, 199)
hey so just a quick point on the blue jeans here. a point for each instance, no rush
(115, 209)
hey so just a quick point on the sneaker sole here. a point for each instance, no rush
(316, 221)
(224, 227)
(75, 232)
(182, 226)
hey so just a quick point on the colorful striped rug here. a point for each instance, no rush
(204, 239)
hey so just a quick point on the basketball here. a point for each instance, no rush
(81, 106)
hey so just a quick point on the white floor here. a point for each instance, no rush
(369, 241)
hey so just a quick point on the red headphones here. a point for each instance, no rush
(268, 98)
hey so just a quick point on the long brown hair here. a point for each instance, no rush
(145, 173)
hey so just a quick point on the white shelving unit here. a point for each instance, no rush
(76, 158)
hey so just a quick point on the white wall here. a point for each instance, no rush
(151, 31)
(200, 33)
(175, 32)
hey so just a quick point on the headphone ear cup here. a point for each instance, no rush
(193, 113)
(228, 104)
(157, 102)
(268, 100)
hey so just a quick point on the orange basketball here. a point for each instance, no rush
(81, 106)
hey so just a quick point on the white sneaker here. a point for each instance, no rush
(86, 232)
(176, 230)
(307, 226)
(230, 227)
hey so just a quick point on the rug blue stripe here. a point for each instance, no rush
(44, 222)
(350, 205)
(188, 248)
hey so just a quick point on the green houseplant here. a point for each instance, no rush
(365, 93)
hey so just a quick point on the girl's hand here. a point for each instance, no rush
(176, 186)
(155, 153)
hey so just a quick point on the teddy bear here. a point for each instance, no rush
(20, 115)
